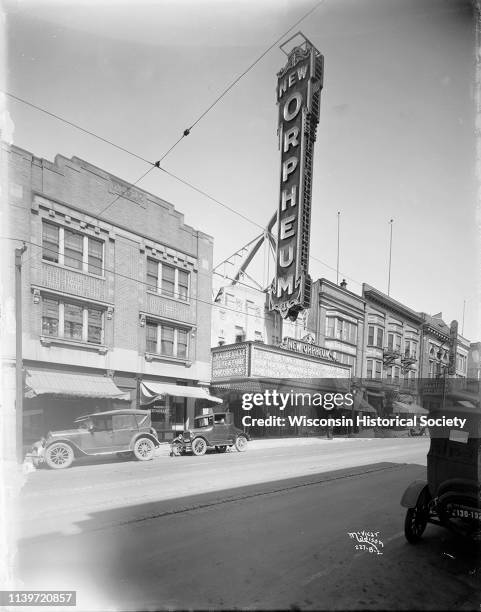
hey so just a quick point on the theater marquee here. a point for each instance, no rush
(298, 92)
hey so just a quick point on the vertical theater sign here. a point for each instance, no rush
(299, 87)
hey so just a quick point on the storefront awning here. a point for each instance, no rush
(361, 405)
(242, 386)
(466, 404)
(402, 408)
(151, 391)
(68, 385)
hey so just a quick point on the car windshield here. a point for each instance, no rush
(204, 421)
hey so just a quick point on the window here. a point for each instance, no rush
(167, 340)
(258, 336)
(167, 280)
(72, 249)
(393, 373)
(50, 316)
(240, 335)
(394, 341)
(461, 362)
(103, 423)
(410, 349)
(347, 359)
(229, 300)
(50, 242)
(152, 274)
(337, 327)
(151, 331)
(71, 321)
(374, 368)
(375, 336)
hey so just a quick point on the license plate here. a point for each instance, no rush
(464, 512)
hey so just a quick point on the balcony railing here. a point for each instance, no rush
(390, 355)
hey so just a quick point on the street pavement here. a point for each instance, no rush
(264, 529)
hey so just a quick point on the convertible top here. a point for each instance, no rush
(112, 412)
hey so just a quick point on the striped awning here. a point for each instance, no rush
(402, 408)
(152, 390)
(68, 385)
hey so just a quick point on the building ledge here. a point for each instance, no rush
(155, 357)
(48, 341)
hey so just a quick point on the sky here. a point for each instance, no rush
(395, 139)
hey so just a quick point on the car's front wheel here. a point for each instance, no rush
(59, 456)
(199, 446)
(144, 449)
(241, 444)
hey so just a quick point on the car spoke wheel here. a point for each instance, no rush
(199, 446)
(417, 518)
(59, 456)
(144, 449)
(241, 444)
(221, 449)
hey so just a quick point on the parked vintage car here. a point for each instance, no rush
(216, 431)
(123, 432)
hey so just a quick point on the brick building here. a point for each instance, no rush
(116, 292)
(336, 319)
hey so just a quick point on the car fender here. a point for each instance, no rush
(144, 435)
(77, 451)
(412, 493)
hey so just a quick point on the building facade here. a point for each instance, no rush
(336, 320)
(240, 313)
(116, 292)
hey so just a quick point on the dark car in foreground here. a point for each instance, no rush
(211, 431)
(126, 433)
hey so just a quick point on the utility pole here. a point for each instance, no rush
(390, 253)
(338, 230)
(18, 353)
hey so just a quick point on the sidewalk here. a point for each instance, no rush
(263, 443)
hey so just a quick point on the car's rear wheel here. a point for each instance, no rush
(59, 456)
(144, 449)
(241, 444)
(221, 449)
(199, 446)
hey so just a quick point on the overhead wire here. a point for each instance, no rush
(164, 293)
(185, 133)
